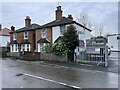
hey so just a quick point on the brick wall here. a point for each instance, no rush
(11, 37)
(49, 34)
(31, 38)
(52, 57)
(19, 36)
(30, 56)
(37, 37)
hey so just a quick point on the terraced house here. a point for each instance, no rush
(33, 37)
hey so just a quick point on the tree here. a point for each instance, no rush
(98, 30)
(59, 47)
(83, 19)
(70, 39)
(48, 48)
(67, 45)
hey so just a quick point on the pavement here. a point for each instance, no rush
(113, 65)
(40, 74)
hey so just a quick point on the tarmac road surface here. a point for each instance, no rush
(23, 74)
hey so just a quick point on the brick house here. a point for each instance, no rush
(33, 37)
(52, 31)
(23, 39)
(4, 36)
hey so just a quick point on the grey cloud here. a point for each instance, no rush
(43, 12)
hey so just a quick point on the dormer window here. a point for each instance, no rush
(14, 36)
(25, 35)
(43, 33)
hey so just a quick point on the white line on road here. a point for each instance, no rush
(38, 77)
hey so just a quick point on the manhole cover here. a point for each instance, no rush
(19, 74)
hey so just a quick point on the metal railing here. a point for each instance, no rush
(94, 57)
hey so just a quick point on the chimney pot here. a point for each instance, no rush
(13, 28)
(58, 13)
(70, 16)
(27, 21)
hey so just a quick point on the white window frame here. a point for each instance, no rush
(23, 47)
(28, 47)
(12, 46)
(16, 47)
(14, 36)
(25, 35)
(41, 47)
(43, 33)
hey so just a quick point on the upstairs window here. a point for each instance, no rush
(62, 29)
(14, 36)
(43, 33)
(25, 35)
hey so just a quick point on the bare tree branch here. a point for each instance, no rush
(83, 19)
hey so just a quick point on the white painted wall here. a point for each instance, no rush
(4, 40)
(38, 47)
(81, 33)
(87, 34)
(55, 33)
(82, 36)
(113, 42)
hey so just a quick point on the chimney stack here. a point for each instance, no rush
(13, 28)
(70, 16)
(0, 27)
(58, 13)
(27, 21)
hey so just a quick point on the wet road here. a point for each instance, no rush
(23, 74)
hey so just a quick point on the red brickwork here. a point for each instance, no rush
(49, 34)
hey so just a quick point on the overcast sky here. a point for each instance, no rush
(100, 13)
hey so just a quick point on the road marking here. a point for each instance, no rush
(61, 83)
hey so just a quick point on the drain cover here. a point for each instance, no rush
(19, 74)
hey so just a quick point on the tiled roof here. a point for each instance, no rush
(5, 32)
(43, 40)
(62, 21)
(31, 27)
(14, 42)
(59, 38)
(25, 41)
